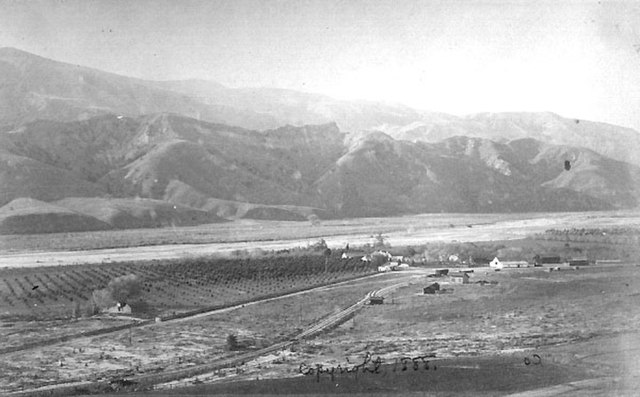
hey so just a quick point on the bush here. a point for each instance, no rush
(320, 246)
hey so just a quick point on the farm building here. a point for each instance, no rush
(498, 264)
(393, 266)
(578, 262)
(353, 254)
(540, 260)
(370, 257)
(119, 308)
(376, 300)
(459, 278)
(479, 261)
(442, 272)
(515, 264)
(431, 289)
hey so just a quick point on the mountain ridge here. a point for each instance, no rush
(113, 141)
(42, 91)
(159, 156)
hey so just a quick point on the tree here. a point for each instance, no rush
(119, 290)
(124, 288)
(379, 242)
(378, 259)
(321, 245)
(75, 310)
(232, 342)
(327, 255)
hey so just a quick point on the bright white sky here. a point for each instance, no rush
(576, 58)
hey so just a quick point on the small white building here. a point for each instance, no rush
(354, 255)
(495, 263)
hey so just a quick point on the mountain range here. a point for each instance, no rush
(93, 150)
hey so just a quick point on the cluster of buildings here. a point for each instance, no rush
(540, 260)
(388, 261)
(459, 277)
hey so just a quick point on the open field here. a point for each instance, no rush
(581, 323)
(569, 318)
(173, 345)
(90, 247)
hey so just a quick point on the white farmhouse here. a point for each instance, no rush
(495, 263)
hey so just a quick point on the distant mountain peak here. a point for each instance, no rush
(16, 51)
(11, 54)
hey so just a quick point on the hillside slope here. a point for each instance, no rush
(28, 216)
(298, 172)
(380, 175)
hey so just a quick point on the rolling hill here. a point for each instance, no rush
(29, 216)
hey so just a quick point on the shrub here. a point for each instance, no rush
(232, 342)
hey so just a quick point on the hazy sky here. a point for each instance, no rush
(577, 58)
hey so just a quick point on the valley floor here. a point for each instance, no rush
(79, 248)
(581, 324)
(574, 330)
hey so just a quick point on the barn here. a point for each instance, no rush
(459, 278)
(498, 264)
(578, 262)
(540, 260)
